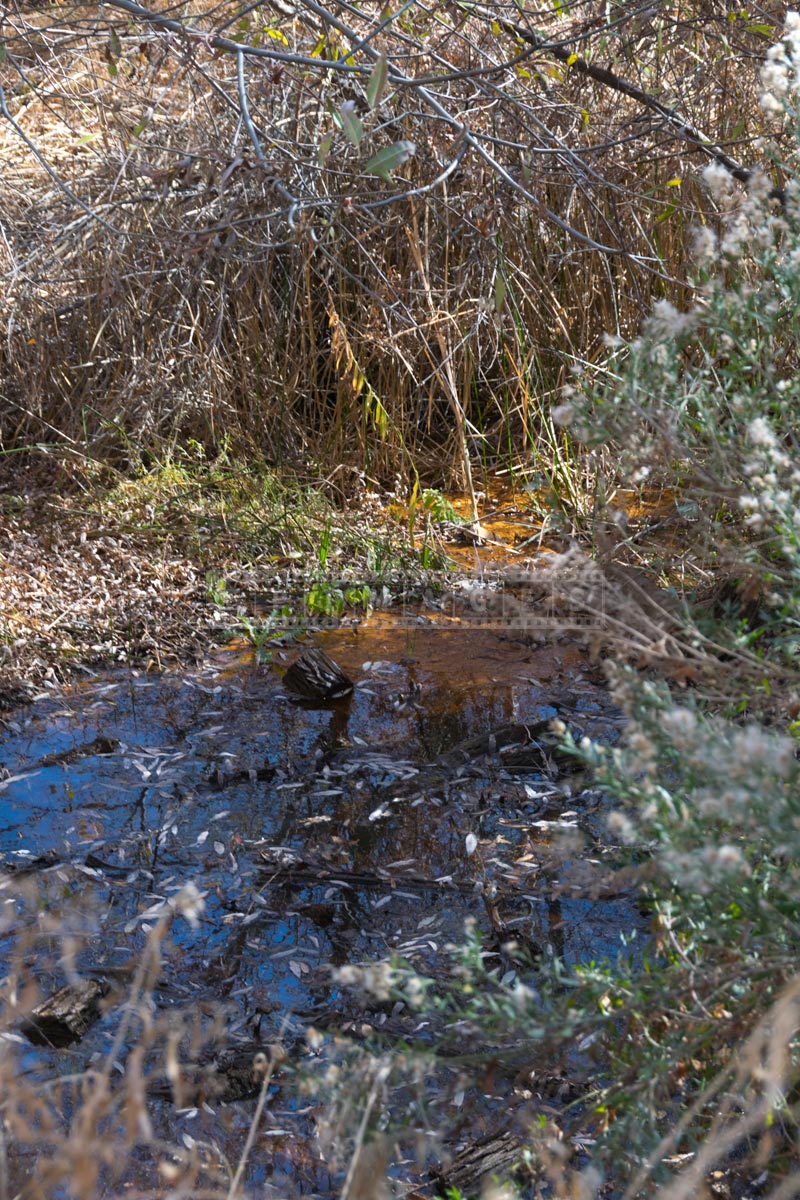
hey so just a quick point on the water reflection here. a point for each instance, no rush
(135, 784)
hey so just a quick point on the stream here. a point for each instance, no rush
(318, 837)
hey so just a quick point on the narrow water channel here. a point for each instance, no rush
(318, 836)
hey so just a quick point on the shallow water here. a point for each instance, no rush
(135, 784)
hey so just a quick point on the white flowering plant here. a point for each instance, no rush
(709, 817)
(685, 1054)
(706, 402)
(701, 1061)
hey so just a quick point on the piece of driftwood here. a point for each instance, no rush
(27, 866)
(493, 1155)
(224, 1077)
(316, 677)
(506, 935)
(64, 1017)
(284, 865)
(528, 747)
(63, 758)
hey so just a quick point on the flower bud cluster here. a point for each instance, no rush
(779, 73)
(773, 479)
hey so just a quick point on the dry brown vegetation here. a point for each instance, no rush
(188, 254)
(201, 264)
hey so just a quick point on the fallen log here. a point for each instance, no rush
(492, 1156)
(64, 1017)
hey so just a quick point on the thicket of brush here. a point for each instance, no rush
(685, 1056)
(308, 309)
(198, 243)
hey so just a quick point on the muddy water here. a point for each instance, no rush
(122, 789)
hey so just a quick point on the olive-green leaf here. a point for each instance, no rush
(324, 148)
(389, 158)
(352, 128)
(499, 292)
(377, 82)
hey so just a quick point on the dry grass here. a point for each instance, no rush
(162, 285)
(185, 297)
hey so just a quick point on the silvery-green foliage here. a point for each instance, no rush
(706, 400)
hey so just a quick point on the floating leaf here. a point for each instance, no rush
(389, 158)
(4, 783)
(377, 82)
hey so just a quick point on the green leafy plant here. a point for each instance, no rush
(327, 599)
(439, 507)
(324, 547)
(264, 634)
(217, 589)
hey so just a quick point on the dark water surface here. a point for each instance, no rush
(116, 793)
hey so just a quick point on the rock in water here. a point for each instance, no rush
(315, 676)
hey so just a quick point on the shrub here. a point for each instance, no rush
(690, 1050)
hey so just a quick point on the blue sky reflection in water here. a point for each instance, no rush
(135, 784)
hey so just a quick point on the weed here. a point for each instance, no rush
(217, 589)
(439, 507)
(265, 633)
(328, 599)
